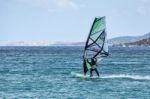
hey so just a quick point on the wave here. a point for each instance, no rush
(135, 77)
(127, 63)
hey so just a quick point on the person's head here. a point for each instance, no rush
(94, 59)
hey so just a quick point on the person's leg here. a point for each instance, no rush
(84, 68)
(85, 71)
(96, 72)
(91, 74)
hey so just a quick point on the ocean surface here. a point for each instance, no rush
(45, 73)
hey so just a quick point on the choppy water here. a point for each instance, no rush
(44, 73)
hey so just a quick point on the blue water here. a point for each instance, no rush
(44, 73)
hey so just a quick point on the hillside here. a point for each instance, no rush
(127, 39)
(144, 42)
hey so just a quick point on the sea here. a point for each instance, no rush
(45, 73)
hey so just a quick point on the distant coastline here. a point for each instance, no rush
(124, 41)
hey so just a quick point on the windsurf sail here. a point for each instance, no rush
(96, 44)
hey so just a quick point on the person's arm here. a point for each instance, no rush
(96, 62)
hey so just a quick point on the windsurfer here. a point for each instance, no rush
(93, 67)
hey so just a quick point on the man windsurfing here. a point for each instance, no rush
(90, 65)
(96, 46)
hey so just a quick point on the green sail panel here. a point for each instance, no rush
(96, 44)
(98, 25)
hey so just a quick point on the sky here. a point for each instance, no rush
(70, 20)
